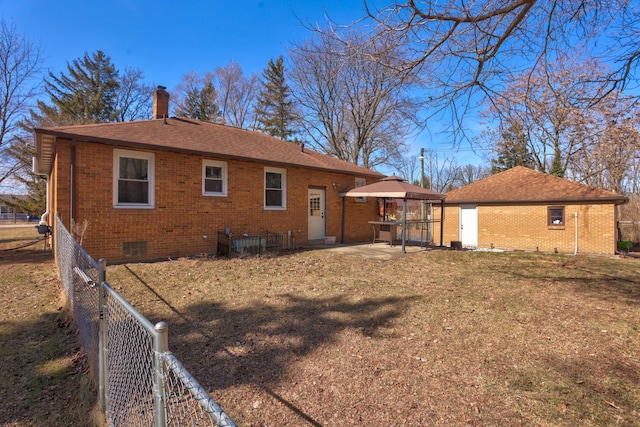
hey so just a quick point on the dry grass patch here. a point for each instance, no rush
(41, 381)
(436, 338)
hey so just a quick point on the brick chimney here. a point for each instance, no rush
(160, 103)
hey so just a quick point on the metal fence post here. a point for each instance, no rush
(102, 335)
(161, 346)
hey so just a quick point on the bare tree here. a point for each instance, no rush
(441, 173)
(547, 118)
(20, 66)
(236, 95)
(407, 168)
(468, 49)
(609, 152)
(445, 175)
(550, 107)
(224, 95)
(134, 97)
(353, 106)
(471, 173)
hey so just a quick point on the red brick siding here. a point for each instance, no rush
(182, 215)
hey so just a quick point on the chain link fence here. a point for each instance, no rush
(140, 382)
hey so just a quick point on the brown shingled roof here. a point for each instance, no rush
(196, 137)
(521, 184)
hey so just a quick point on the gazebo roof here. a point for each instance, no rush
(394, 187)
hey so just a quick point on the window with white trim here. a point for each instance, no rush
(275, 188)
(214, 178)
(360, 182)
(133, 179)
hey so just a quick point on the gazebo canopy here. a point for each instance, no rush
(394, 187)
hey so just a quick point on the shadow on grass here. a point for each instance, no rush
(264, 339)
(258, 345)
(223, 346)
(41, 377)
(31, 255)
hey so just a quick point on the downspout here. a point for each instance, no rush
(45, 215)
(72, 201)
(576, 251)
(343, 219)
(44, 218)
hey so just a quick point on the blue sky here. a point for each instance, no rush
(168, 39)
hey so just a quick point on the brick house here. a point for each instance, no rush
(165, 187)
(522, 209)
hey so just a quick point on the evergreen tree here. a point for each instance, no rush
(91, 92)
(274, 109)
(199, 103)
(556, 168)
(512, 150)
(87, 94)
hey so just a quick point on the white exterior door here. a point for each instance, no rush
(316, 213)
(469, 225)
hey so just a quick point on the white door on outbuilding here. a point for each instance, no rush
(469, 225)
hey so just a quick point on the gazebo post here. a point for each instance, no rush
(344, 204)
(441, 220)
(404, 224)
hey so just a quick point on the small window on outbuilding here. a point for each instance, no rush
(555, 216)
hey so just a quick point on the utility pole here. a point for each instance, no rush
(430, 171)
(422, 164)
(422, 213)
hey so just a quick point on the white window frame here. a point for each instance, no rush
(283, 173)
(360, 182)
(221, 165)
(150, 158)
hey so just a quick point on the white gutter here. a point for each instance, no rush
(44, 218)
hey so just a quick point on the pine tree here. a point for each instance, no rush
(556, 168)
(87, 94)
(512, 150)
(200, 104)
(274, 109)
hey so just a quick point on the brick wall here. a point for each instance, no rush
(524, 227)
(182, 215)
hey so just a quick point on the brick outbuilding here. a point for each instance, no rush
(165, 187)
(522, 209)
